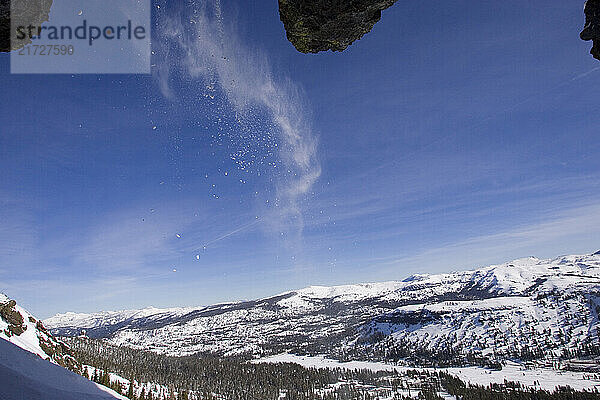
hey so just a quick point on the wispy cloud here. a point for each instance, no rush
(129, 239)
(18, 231)
(209, 51)
(573, 230)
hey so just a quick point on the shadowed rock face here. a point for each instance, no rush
(319, 25)
(27, 12)
(591, 31)
(13, 318)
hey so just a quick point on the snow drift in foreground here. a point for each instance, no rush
(25, 376)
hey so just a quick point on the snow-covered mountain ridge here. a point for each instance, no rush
(526, 308)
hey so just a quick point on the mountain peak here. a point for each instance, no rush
(416, 278)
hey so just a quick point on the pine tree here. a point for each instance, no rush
(105, 379)
(130, 394)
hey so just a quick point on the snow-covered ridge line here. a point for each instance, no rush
(528, 267)
(547, 305)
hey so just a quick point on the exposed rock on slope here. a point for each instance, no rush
(32, 361)
(22, 329)
(319, 25)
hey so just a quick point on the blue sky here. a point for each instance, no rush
(451, 136)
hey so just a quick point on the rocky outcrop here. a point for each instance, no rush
(319, 25)
(13, 318)
(591, 30)
(25, 12)
(24, 330)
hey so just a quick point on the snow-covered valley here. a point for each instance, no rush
(544, 378)
(530, 323)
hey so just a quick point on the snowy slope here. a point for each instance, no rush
(29, 339)
(541, 308)
(32, 361)
(25, 376)
(21, 328)
(507, 310)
